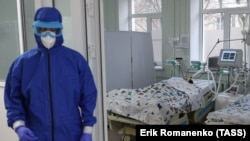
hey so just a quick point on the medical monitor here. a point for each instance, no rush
(213, 63)
(230, 58)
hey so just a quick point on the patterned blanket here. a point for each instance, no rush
(237, 112)
(157, 103)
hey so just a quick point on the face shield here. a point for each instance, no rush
(43, 29)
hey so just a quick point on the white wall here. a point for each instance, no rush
(6, 133)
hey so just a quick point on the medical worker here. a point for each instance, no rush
(50, 93)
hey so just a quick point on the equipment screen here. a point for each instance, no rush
(230, 58)
(228, 55)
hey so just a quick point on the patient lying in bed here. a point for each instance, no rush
(157, 103)
(237, 112)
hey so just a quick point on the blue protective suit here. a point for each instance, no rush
(53, 90)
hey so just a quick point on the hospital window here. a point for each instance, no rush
(219, 24)
(146, 17)
(9, 41)
(14, 21)
(233, 21)
(225, 23)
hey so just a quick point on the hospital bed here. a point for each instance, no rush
(171, 101)
(237, 112)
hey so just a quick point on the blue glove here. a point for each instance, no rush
(86, 137)
(25, 134)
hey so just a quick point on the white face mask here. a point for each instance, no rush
(48, 40)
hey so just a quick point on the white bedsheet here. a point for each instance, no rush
(157, 103)
(237, 112)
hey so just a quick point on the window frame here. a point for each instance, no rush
(227, 21)
(149, 17)
(20, 47)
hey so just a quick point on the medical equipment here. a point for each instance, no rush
(231, 107)
(230, 58)
(213, 63)
(172, 62)
(175, 63)
(196, 65)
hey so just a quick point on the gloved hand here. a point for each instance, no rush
(25, 134)
(86, 137)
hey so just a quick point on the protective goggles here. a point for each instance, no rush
(46, 28)
(52, 32)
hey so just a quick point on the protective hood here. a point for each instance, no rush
(48, 17)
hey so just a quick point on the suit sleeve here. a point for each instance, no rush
(13, 99)
(88, 95)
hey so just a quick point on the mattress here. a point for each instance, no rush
(160, 102)
(237, 112)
